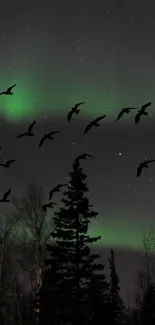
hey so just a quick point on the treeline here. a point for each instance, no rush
(66, 280)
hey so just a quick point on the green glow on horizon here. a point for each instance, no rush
(118, 237)
(120, 233)
(123, 233)
(30, 100)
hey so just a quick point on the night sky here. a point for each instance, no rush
(62, 52)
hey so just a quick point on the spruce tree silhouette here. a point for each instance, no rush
(117, 308)
(99, 299)
(66, 286)
(148, 306)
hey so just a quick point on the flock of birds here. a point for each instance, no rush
(50, 136)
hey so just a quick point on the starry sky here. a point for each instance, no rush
(62, 52)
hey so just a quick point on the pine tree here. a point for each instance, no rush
(148, 306)
(99, 300)
(117, 309)
(66, 287)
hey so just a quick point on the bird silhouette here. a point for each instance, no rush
(124, 110)
(8, 91)
(28, 133)
(5, 196)
(47, 136)
(94, 123)
(74, 110)
(48, 205)
(141, 112)
(142, 165)
(7, 164)
(55, 189)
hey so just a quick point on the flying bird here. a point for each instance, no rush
(141, 112)
(48, 205)
(28, 133)
(74, 110)
(5, 196)
(55, 189)
(94, 123)
(142, 165)
(7, 164)
(8, 91)
(124, 110)
(47, 136)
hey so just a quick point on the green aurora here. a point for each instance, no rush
(121, 233)
(125, 234)
(30, 100)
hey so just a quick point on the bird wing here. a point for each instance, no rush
(120, 114)
(132, 108)
(139, 170)
(54, 132)
(145, 106)
(88, 127)
(150, 161)
(137, 118)
(2, 93)
(9, 89)
(78, 104)
(31, 126)
(6, 194)
(99, 118)
(10, 161)
(69, 116)
(21, 135)
(42, 141)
